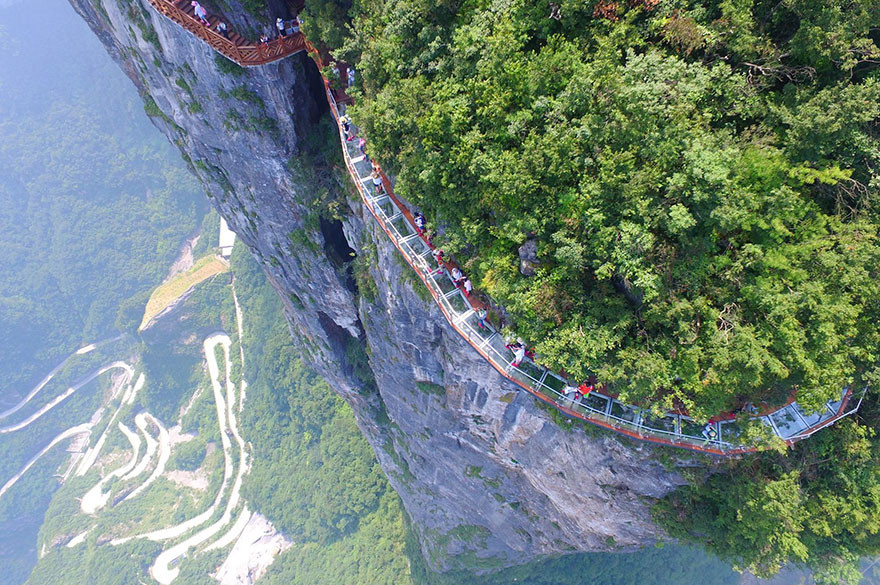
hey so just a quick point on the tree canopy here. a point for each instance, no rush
(700, 178)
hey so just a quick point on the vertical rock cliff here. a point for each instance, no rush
(487, 477)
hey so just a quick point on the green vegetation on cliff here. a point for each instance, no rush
(700, 179)
(314, 475)
(819, 505)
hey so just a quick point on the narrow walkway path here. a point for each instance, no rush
(721, 436)
(233, 46)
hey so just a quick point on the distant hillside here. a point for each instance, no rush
(93, 202)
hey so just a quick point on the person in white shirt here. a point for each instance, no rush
(377, 183)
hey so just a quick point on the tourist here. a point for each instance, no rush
(294, 25)
(483, 315)
(468, 287)
(264, 39)
(709, 432)
(221, 28)
(362, 146)
(585, 388)
(457, 276)
(519, 353)
(377, 183)
(420, 222)
(346, 127)
(438, 257)
(350, 76)
(200, 12)
(279, 24)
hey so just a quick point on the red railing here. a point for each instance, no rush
(245, 54)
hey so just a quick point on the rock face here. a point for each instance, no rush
(488, 479)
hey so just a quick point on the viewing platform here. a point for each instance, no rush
(790, 423)
(232, 45)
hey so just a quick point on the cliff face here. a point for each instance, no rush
(487, 478)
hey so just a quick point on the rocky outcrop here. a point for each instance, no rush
(487, 477)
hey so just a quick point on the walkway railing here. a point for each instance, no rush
(724, 437)
(233, 46)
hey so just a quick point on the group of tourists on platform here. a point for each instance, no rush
(284, 27)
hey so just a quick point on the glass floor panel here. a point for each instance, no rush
(418, 246)
(661, 423)
(402, 226)
(692, 428)
(364, 168)
(531, 369)
(443, 283)
(596, 402)
(812, 418)
(387, 207)
(499, 351)
(459, 304)
(834, 405)
(480, 333)
(555, 382)
(369, 188)
(731, 432)
(521, 376)
(583, 410)
(787, 422)
(352, 148)
(622, 411)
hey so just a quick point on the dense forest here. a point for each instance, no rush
(700, 179)
(700, 182)
(94, 203)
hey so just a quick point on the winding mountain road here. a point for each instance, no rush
(71, 432)
(164, 451)
(92, 453)
(96, 498)
(60, 398)
(161, 569)
(36, 389)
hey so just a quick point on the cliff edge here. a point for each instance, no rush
(487, 477)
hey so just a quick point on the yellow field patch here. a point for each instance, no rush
(168, 292)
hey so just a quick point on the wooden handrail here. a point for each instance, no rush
(245, 55)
